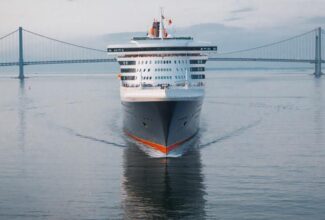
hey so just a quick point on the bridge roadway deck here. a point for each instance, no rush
(59, 62)
(114, 60)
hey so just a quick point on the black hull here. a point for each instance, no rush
(163, 125)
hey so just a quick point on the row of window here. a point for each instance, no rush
(133, 70)
(163, 77)
(163, 69)
(180, 77)
(169, 77)
(130, 62)
(133, 62)
(198, 76)
(198, 61)
(161, 61)
(197, 69)
(128, 77)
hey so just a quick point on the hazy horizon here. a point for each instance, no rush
(75, 18)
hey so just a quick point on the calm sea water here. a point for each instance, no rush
(260, 153)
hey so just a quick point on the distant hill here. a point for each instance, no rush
(123, 37)
(227, 38)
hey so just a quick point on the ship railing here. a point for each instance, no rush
(130, 85)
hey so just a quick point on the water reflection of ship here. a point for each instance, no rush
(163, 188)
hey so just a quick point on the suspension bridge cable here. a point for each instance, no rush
(9, 34)
(67, 43)
(267, 45)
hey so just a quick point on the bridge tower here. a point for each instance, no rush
(21, 55)
(318, 53)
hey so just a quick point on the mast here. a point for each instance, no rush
(161, 28)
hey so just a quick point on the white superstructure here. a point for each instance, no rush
(161, 67)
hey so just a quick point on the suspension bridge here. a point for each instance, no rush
(23, 47)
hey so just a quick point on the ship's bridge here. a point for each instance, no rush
(142, 46)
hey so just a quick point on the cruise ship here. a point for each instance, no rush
(162, 86)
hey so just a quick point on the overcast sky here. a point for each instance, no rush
(72, 18)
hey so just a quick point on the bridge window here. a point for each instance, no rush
(131, 62)
(197, 69)
(198, 76)
(131, 70)
(198, 61)
(128, 77)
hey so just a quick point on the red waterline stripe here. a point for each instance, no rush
(159, 147)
